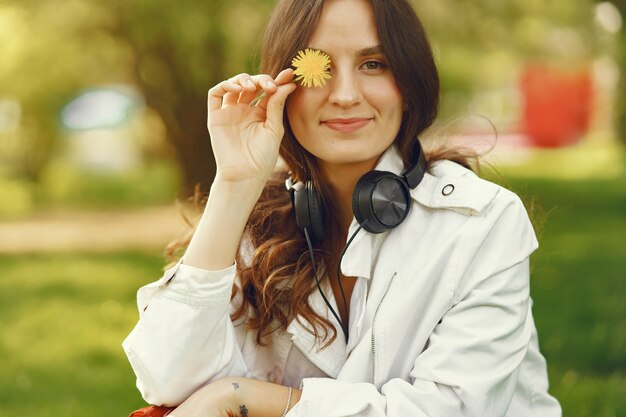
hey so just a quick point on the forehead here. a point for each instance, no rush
(345, 25)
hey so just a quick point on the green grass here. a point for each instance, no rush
(63, 320)
(578, 286)
(63, 317)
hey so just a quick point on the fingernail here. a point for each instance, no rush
(249, 83)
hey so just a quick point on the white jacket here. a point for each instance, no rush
(440, 318)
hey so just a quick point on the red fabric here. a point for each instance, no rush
(152, 411)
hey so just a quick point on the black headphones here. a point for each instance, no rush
(381, 200)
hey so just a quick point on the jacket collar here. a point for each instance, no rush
(446, 185)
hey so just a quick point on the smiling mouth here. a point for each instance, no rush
(346, 125)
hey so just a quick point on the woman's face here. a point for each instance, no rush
(357, 114)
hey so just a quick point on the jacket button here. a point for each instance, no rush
(447, 190)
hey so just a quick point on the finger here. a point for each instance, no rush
(249, 92)
(263, 83)
(240, 80)
(217, 94)
(276, 107)
(284, 77)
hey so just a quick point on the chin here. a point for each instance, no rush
(347, 150)
(350, 158)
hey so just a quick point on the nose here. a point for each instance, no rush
(344, 86)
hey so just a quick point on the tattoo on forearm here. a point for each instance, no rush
(243, 410)
(235, 385)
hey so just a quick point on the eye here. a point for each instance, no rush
(374, 66)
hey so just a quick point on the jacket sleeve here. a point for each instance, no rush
(472, 360)
(184, 337)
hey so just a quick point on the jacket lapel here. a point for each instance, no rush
(332, 358)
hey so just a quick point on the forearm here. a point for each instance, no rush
(217, 236)
(260, 398)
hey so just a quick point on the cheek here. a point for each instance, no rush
(301, 110)
(386, 97)
(294, 112)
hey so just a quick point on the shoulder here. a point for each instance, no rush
(450, 186)
(488, 211)
(457, 202)
(493, 230)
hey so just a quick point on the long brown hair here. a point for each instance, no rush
(275, 272)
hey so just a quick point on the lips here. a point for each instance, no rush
(346, 125)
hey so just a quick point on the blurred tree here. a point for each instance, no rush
(178, 50)
(173, 52)
(42, 67)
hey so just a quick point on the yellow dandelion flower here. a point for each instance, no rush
(311, 68)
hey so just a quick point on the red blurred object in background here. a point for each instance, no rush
(558, 105)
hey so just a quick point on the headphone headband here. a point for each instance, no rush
(415, 173)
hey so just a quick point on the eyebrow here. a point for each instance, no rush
(372, 50)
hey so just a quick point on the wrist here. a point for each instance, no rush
(259, 398)
(244, 193)
(224, 184)
(218, 234)
(238, 196)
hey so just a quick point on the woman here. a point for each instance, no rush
(436, 319)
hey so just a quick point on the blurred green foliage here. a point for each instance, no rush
(173, 52)
(64, 316)
(66, 187)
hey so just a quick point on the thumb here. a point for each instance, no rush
(276, 106)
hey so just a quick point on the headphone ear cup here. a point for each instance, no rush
(380, 201)
(309, 212)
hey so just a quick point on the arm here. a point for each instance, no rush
(241, 397)
(463, 372)
(184, 337)
(245, 140)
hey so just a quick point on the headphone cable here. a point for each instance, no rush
(343, 252)
(343, 295)
(317, 281)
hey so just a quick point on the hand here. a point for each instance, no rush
(245, 137)
(237, 396)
